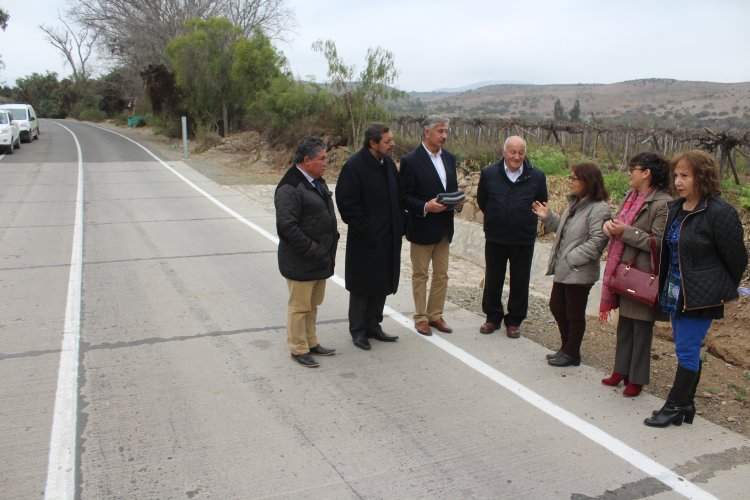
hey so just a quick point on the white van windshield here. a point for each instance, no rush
(18, 113)
(4, 118)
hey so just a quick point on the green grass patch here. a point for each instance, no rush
(549, 160)
(617, 184)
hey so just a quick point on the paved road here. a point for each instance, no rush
(143, 355)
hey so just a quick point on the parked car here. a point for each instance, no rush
(25, 115)
(10, 138)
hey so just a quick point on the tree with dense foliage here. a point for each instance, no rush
(575, 112)
(559, 112)
(220, 71)
(362, 96)
(45, 91)
(202, 59)
(255, 64)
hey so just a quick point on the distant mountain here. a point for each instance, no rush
(478, 85)
(645, 103)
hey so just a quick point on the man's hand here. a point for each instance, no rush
(434, 207)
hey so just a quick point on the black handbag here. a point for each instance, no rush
(628, 281)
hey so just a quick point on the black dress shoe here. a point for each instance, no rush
(305, 360)
(382, 336)
(554, 354)
(361, 342)
(322, 351)
(564, 359)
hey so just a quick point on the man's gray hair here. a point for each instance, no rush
(308, 146)
(513, 137)
(432, 121)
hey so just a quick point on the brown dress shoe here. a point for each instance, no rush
(441, 325)
(513, 331)
(488, 327)
(423, 328)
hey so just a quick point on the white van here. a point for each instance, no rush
(25, 115)
(10, 137)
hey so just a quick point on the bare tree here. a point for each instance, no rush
(76, 46)
(135, 32)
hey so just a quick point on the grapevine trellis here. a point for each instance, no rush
(618, 142)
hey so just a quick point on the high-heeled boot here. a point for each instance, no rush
(615, 379)
(678, 407)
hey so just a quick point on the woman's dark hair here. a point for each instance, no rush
(657, 164)
(592, 177)
(704, 169)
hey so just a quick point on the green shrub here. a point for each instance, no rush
(549, 159)
(92, 115)
(617, 184)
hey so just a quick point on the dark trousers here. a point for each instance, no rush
(497, 257)
(633, 352)
(568, 305)
(365, 314)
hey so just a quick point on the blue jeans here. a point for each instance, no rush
(688, 336)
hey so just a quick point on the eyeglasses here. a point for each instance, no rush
(637, 168)
(573, 178)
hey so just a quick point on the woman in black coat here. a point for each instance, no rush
(703, 258)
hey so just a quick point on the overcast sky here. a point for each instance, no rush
(451, 43)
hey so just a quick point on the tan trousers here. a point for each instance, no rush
(302, 312)
(429, 308)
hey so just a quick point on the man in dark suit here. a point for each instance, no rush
(370, 201)
(427, 171)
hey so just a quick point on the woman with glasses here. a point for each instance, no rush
(703, 258)
(641, 218)
(574, 258)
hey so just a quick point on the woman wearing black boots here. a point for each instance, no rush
(703, 257)
(574, 258)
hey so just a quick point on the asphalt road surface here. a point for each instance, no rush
(143, 355)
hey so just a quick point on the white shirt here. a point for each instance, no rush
(513, 176)
(437, 160)
(307, 176)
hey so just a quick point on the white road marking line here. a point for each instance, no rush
(610, 443)
(61, 465)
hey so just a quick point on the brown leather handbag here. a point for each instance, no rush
(627, 281)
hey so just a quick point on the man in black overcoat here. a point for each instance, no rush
(370, 201)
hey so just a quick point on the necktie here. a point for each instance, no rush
(319, 186)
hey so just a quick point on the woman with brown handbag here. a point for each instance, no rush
(642, 216)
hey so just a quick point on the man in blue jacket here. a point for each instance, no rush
(505, 193)
(306, 225)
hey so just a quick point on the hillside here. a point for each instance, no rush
(645, 103)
